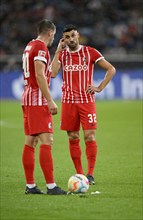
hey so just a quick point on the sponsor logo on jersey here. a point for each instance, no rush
(28, 47)
(75, 67)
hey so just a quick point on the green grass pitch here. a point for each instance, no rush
(118, 172)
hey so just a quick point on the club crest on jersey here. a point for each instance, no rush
(84, 59)
(41, 53)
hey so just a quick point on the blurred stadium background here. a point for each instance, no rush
(112, 27)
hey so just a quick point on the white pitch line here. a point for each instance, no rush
(85, 194)
(9, 125)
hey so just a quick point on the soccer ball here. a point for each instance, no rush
(78, 183)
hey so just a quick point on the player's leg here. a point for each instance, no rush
(45, 156)
(46, 163)
(45, 130)
(28, 161)
(91, 153)
(35, 141)
(45, 125)
(75, 150)
(28, 155)
(88, 121)
(71, 123)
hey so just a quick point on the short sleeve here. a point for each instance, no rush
(96, 55)
(40, 52)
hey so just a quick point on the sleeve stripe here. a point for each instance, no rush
(100, 58)
(40, 58)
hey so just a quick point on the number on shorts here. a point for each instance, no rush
(92, 118)
(26, 65)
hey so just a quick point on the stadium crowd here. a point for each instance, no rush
(113, 27)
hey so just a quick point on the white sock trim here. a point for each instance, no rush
(30, 186)
(51, 185)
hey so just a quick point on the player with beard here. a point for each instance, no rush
(78, 99)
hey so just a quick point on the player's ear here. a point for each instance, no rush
(50, 33)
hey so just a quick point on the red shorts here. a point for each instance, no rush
(75, 113)
(37, 119)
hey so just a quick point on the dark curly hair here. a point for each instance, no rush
(69, 27)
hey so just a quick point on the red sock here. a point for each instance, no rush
(91, 152)
(28, 163)
(46, 162)
(75, 153)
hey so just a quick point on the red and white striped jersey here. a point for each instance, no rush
(35, 50)
(77, 73)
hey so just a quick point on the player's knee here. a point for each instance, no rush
(89, 137)
(46, 139)
(35, 142)
(31, 141)
(73, 135)
(51, 141)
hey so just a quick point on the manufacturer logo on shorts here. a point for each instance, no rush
(50, 125)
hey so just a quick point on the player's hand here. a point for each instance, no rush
(91, 89)
(61, 45)
(53, 107)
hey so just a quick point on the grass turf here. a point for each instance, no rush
(118, 172)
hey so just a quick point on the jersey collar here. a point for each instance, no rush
(80, 46)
